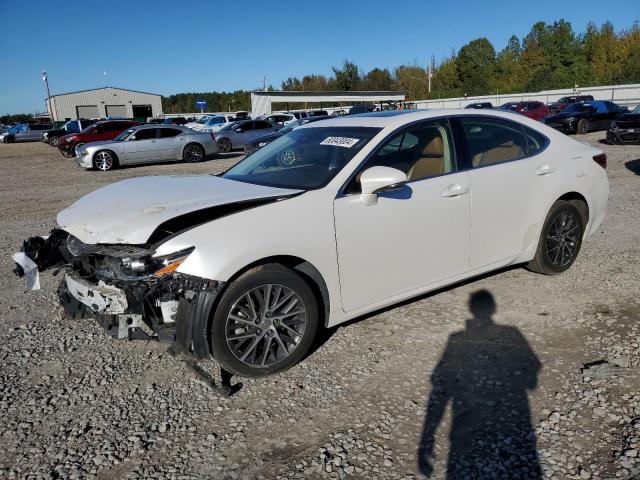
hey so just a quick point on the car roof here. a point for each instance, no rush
(398, 118)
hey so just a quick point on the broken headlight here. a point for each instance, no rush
(155, 266)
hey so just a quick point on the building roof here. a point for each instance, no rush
(297, 93)
(104, 88)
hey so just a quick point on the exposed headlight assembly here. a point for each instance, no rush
(262, 144)
(155, 266)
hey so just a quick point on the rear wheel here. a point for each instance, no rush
(9, 139)
(265, 322)
(583, 126)
(225, 145)
(560, 239)
(105, 160)
(193, 153)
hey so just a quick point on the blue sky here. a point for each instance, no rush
(179, 46)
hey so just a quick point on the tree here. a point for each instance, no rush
(445, 81)
(378, 80)
(412, 80)
(291, 83)
(347, 76)
(509, 76)
(476, 64)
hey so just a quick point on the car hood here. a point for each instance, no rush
(128, 212)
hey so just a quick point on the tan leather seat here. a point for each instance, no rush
(431, 162)
(507, 150)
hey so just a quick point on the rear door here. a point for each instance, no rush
(511, 182)
(142, 146)
(168, 144)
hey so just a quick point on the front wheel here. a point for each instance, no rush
(105, 160)
(193, 153)
(225, 145)
(583, 126)
(53, 141)
(265, 322)
(560, 240)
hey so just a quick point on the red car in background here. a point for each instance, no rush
(534, 110)
(99, 131)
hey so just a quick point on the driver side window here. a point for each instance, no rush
(421, 151)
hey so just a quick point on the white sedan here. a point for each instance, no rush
(333, 220)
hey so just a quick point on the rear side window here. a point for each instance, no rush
(492, 141)
(535, 141)
(169, 132)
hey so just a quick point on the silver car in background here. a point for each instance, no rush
(236, 134)
(147, 144)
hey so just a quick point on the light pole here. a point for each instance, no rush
(45, 79)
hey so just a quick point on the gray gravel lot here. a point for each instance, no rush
(374, 400)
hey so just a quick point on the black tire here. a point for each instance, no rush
(9, 139)
(193, 153)
(560, 239)
(105, 160)
(273, 275)
(224, 145)
(53, 141)
(583, 126)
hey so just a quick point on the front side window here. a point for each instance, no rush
(306, 158)
(245, 127)
(122, 137)
(145, 134)
(492, 141)
(261, 125)
(421, 151)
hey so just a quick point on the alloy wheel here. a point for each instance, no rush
(193, 153)
(562, 239)
(265, 325)
(103, 161)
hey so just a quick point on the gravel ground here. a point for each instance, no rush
(512, 375)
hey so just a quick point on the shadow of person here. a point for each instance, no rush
(485, 373)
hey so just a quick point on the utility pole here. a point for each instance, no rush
(264, 83)
(431, 64)
(45, 79)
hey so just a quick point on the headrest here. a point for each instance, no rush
(434, 147)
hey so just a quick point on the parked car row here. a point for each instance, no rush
(579, 114)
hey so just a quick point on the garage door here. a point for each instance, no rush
(116, 111)
(87, 111)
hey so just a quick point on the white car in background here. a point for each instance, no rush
(329, 222)
(211, 123)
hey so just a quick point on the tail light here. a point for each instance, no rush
(601, 160)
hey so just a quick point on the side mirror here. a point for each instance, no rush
(238, 130)
(131, 138)
(376, 180)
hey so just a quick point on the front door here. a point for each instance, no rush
(414, 236)
(143, 147)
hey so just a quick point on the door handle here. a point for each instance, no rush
(454, 190)
(544, 170)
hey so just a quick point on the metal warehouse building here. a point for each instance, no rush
(104, 102)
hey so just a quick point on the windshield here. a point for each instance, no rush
(636, 110)
(290, 126)
(215, 120)
(203, 120)
(123, 135)
(305, 158)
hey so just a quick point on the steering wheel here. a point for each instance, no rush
(287, 157)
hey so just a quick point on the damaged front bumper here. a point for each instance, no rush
(130, 293)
